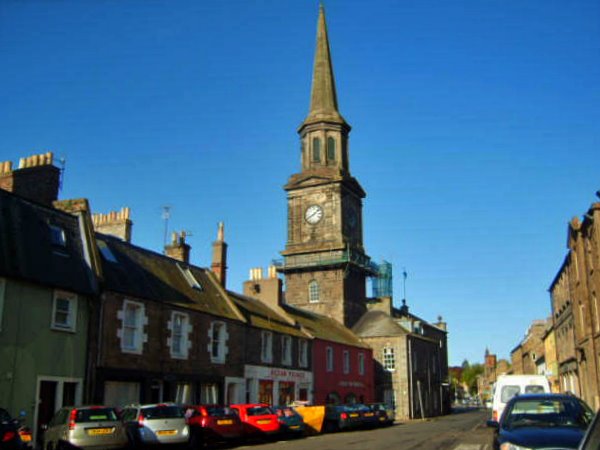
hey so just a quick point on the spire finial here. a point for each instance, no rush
(221, 232)
(323, 98)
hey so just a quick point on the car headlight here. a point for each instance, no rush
(511, 446)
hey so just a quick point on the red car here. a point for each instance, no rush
(257, 418)
(211, 424)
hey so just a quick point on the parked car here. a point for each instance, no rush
(369, 418)
(341, 417)
(13, 435)
(591, 440)
(162, 423)
(258, 419)
(385, 413)
(291, 422)
(211, 424)
(86, 427)
(507, 386)
(542, 421)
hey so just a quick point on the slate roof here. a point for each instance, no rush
(145, 274)
(27, 251)
(260, 315)
(377, 324)
(323, 327)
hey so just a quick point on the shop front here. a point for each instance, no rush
(277, 386)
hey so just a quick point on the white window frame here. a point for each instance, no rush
(179, 337)
(266, 352)
(329, 359)
(361, 363)
(221, 341)
(303, 353)
(71, 321)
(139, 337)
(389, 359)
(346, 362)
(314, 292)
(2, 297)
(286, 350)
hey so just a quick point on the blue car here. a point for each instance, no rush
(290, 422)
(539, 421)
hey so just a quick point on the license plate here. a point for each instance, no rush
(368, 414)
(166, 432)
(225, 422)
(263, 422)
(353, 415)
(26, 437)
(294, 427)
(382, 418)
(99, 431)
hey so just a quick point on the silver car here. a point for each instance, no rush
(162, 423)
(86, 427)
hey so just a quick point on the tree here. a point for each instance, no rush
(470, 374)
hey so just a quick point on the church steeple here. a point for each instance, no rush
(323, 98)
(324, 132)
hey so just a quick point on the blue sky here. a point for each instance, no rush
(475, 131)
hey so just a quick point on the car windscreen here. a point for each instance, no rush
(534, 389)
(546, 413)
(95, 415)
(218, 411)
(508, 392)
(163, 412)
(259, 411)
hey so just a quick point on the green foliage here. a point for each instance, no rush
(470, 374)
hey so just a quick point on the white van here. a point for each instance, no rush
(507, 386)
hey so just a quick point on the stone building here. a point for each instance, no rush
(526, 354)
(411, 369)
(575, 310)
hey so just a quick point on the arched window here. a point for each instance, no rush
(330, 149)
(316, 149)
(313, 292)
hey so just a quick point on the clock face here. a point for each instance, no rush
(313, 214)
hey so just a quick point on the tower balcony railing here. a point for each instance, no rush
(332, 258)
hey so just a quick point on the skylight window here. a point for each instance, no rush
(106, 252)
(187, 274)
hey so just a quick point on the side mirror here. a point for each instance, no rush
(493, 424)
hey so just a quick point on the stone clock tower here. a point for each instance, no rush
(325, 265)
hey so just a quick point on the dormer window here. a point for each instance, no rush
(58, 236)
(330, 149)
(316, 149)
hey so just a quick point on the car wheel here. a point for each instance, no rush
(61, 445)
(49, 446)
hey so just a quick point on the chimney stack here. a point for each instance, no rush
(36, 178)
(114, 223)
(178, 249)
(219, 256)
(268, 290)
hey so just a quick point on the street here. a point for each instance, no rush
(463, 430)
